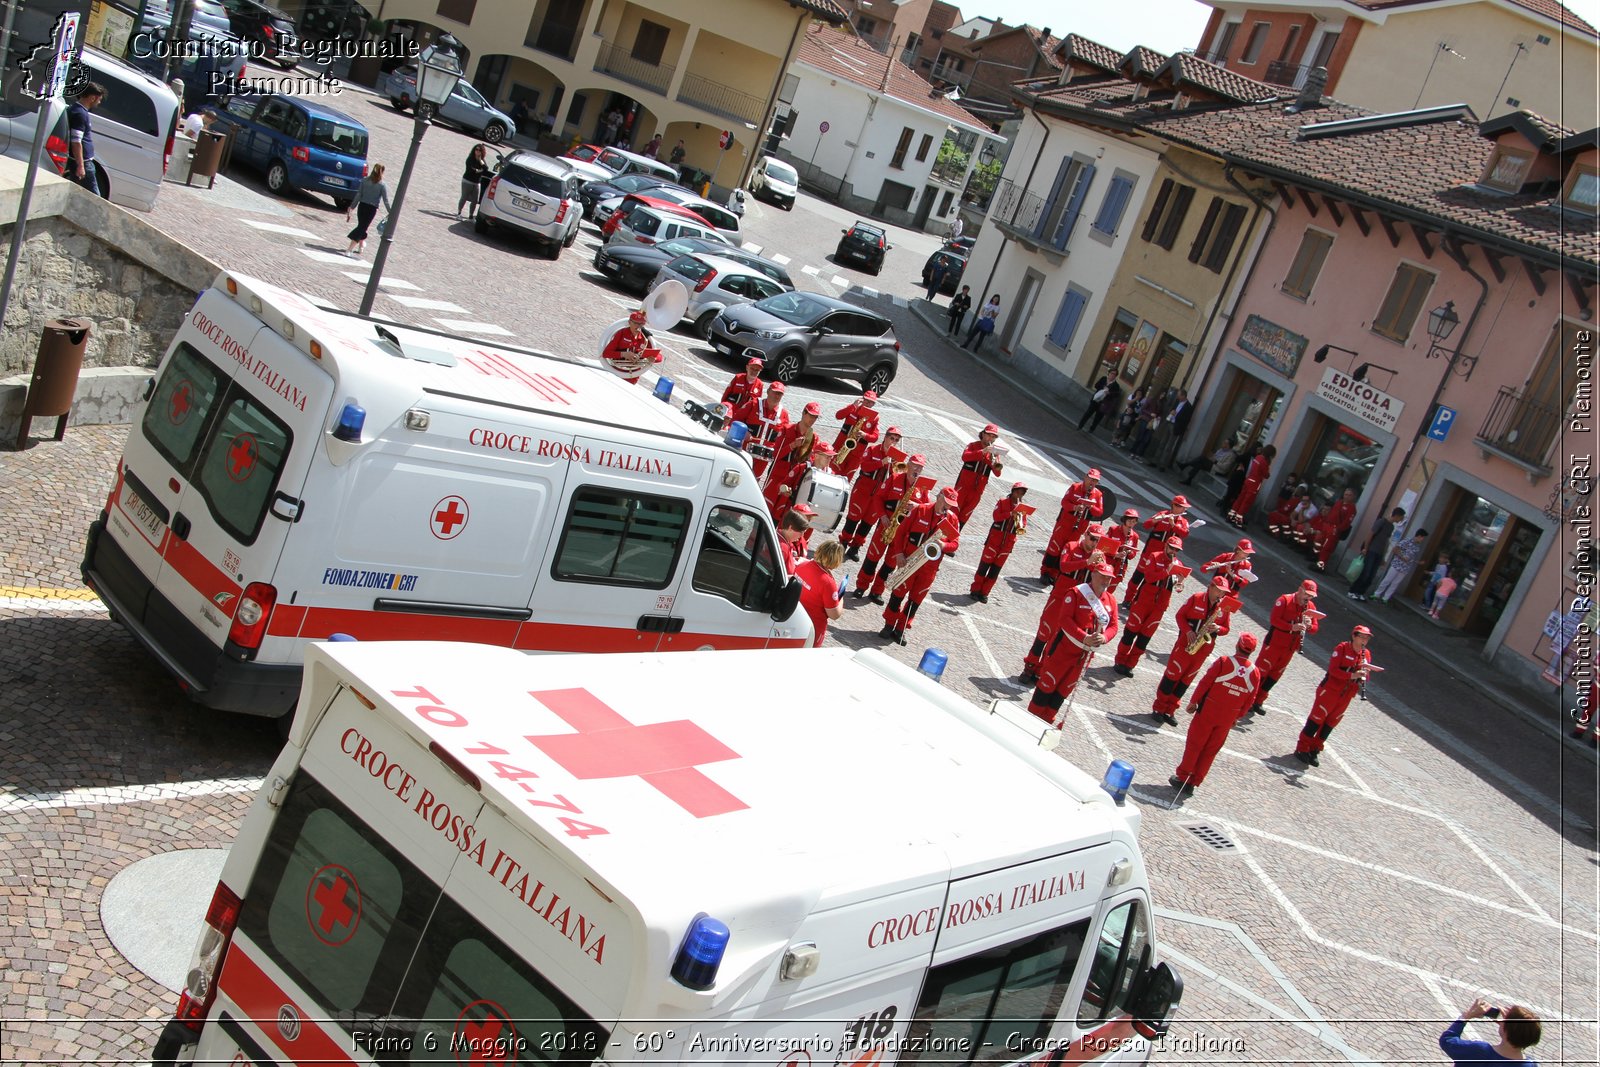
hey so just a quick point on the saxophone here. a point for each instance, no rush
(901, 510)
(851, 440)
(1206, 631)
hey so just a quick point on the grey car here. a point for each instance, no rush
(797, 332)
(466, 107)
(715, 284)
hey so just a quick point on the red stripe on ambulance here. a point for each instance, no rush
(264, 1003)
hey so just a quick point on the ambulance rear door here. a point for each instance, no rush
(214, 472)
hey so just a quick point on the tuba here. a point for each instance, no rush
(930, 552)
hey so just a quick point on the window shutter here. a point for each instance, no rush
(1175, 216)
(1227, 233)
(1198, 249)
(1069, 218)
(1112, 207)
(1154, 219)
(1066, 324)
(1048, 211)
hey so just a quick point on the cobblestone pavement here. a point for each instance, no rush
(1444, 849)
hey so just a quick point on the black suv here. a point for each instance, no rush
(864, 244)
(269, 31)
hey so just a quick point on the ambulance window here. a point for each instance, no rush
(621, 539)
(983, 1008)
(1118, 957)
(473, 1000)
(737, 560)
(334, 906)
(238, 471)
(176, 417)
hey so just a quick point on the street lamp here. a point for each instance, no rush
(438, 71)
(1442, 322)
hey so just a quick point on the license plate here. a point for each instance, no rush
(524, 203)
(143, 515)
(340, 182)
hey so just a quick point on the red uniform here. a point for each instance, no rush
(1331, 528)
(1228, 568)
(977, 463)
(1222, 697)
(628, 353)
(1183, 665)
(1120, 544)
(874, 571)
(862, 418)
(920, 527)
(873, 470)
(767, 420)
(1283, 641)
(1082, 613)
(1161, 525)
(1075, 566)
(791, 457)
(1255, 476)
(1003, 533)
(1339, 686)
(1158, 576)
(741, 391)
(1079, 507)
(819, 591)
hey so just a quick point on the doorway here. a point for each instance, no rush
(1489, 548)
(930, 196)
(1031, 281)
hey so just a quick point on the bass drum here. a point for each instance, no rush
(828, 493)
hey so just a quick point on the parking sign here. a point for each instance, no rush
(1443, 418)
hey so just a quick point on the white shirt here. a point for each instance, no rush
(194, 126)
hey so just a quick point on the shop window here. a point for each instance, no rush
(1314, 247)
(650, 42)
(1582, 191)
(1257, 41)
(1507, 169)
(902, 147)
(1339, 459)
(1167, 213)
(1488, 550)
(1403, 302)
(1217, 233)
(1117, 338)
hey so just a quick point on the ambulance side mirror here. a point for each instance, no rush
(1160, 990)
(786, 600)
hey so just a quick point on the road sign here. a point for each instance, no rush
(725, 140)
(823, 127)
(1443, 418)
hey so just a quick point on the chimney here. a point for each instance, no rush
(1044, 34)
(1311, 93)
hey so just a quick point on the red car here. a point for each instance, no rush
(584, 153)
(633, 200)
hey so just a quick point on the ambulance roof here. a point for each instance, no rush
(835, 773)
(371, 369)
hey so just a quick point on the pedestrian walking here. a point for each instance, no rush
(80, 131)
(1347, 676)
(933, 276)
(1236, 477)
(820, 592)
(1402, 562)
(372, 194)
(983, 325)
(1009, 522)
(1201, 619)
(1088, 621)
(1219, 701)
(1102, 386)
(1294, 615)
(959, 305)
(1376, 551)
(956, 229)
(1520, 1030)
(473, 179)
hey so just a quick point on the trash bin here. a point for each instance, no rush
(55, 375)
(207, 155)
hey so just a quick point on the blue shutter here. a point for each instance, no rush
(1050, 201)
(1066, 324)
(1069, 218)
(1115, 203)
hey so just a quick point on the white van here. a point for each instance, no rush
(297, 472)
(465, 855)
(775, 180)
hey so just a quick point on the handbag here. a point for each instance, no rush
(1357, 565)
(383, 224)
(1100, 394)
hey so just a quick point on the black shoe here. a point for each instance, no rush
(1170, 720)
(1257, 709)
(982, 598)
(899, 638)
(852, 555)
(1175, 782)
(1046, 580)
(1028, 678)
(1303, 757)
(1158, 717)
(1126, 672)
(1311, 758)
(860, 594)
(887, 633)
(876, 599)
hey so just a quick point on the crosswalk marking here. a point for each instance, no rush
(779, 258)
(423, 303)
(843, 283)
(487, 329)
(754, 250)
(951, 428)
(383, 283)
(1022, 454)
(325, 257)
(899, 301)
(809, 269)
(273, 227)
(869, 292)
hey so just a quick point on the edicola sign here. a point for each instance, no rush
(1361, 399)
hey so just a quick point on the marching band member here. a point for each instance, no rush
(877, 464)
(978, 460)
(895, 498)
(1218, 702)
(1347, 675)
(1080, 505)
(1077, 563)
(1168, 522)
(629, 351)
(744, 387)
(1202, 619)
(1334, 527)
(1159, 573)
(767, 420)
(791, 453)
(927, 523)
(1010, 521)
(1087, 621)
(821, 459)
(1234, 566)
(1293, 616)
(1255, 477)
(861, 417)
(1120, 543)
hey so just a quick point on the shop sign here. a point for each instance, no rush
(1273, 345)
(1361, 399)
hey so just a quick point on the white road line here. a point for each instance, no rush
(424, 303)
(44, 603)
(383, 283)
(16, 803)
(899, 301)
(809, 269)
(327, 257)
(754, 250)
(843, 283)
(983, 647)
(870, 294)
(779, 258)
(1019, 445)
(486, 329)
(1345, 766)
(953, 429)
(1018, 459)
(273, 227)
(1495, 867)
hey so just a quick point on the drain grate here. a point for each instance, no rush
(1211, 837)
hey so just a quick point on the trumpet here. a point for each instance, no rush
(851, 439)
(1206, 631)
(930, 552)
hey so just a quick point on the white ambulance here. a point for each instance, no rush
(467, 855)
(298, 472)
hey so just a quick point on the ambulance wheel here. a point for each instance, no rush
(878, 379)
(278, 177)
(785, 367)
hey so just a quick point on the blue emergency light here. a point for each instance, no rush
(933, 661)
(701, 953)
(664, 389)
(737, 433)
(1119, 776)
(340, 637)
(352, 417)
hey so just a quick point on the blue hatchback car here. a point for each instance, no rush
(297, 143)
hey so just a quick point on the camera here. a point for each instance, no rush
(1491, 1013)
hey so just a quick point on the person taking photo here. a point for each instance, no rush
(1519, 1030)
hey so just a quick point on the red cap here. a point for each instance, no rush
(919, 459)
(803, 508)
(753, 362)
(1103, 568)
(813, 408)
(1308, 586)
(1173, 543)
(869, 396)
(990, 428)
(1247, 643)
(1361, 630)
(1131, 513)
(1244, 545)
(951, 497)
(1018, 485)
(1180, 501)
(777, 387)
(1094, 529)
(892, 430)
(1219, 582)
(636, 316)
(822, 446)
(1092, 472)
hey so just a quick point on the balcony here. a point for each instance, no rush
(621, 64)
(554, 38)
(1520, 430)
(719, 99)
(1292, 75)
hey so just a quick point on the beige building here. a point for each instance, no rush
(679, 68)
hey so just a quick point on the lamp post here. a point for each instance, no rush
(438, 71)
(1442, 322)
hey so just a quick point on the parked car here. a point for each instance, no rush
(714, 213)
(212, 66)
(595, 192)
(621, 161)
(715, 283)
(466, 108)
(134, 128)
(633, 201)
(269, 31)
(636, 266)
(775, 180)
(298, 142)
(535, 196)
(954, 266)
(799, 332)
(649, 225)
(207, 17)
(863, 243)
(584, 153)
(961, 246)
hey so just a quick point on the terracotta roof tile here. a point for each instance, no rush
(1095, 54)
(827, 9)
(1186, 69)
(843, 55)
(1047, 45)
(1550, 9)
(1142, 60)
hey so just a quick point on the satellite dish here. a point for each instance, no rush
(665, 305)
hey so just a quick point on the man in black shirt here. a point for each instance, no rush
(1375, 551)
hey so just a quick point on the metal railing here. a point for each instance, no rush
(1520, 429)
(1017, 209)
(719, 99)
(555, 38)
(1219, 57)
(620, 63)
(1292, 75)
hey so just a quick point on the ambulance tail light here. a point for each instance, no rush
(701, 953)
(200, 989)
(253, 614)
